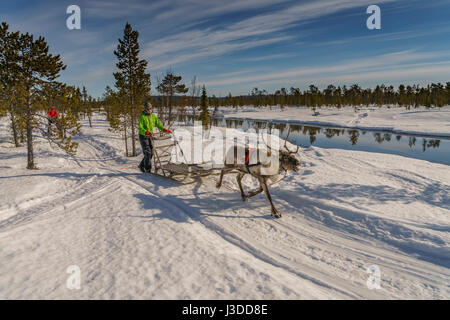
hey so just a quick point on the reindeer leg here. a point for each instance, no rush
(263, 182)
(219, 183)
(239, 177)
(254, 193)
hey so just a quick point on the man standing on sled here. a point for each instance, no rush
(147, 121)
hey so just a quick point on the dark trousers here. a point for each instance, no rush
(147, 150)
(49, 133)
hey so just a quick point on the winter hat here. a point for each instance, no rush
(147, 106)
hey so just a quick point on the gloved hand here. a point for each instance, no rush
(167, 130)
(149, 134)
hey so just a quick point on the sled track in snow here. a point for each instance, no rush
(348, 290)
(69, 197)
(348, 221)
(55, 206)
(357, 251)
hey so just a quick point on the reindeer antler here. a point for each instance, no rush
(285, 143)
(262, 137)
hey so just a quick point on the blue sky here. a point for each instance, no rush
(236, 45)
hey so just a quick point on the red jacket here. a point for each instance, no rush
(53, 113)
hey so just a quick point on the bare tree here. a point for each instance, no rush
(195, 93)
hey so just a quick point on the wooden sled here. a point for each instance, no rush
(164, 147)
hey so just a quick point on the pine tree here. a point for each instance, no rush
(229, 100)
(116, 115)
(314, 97)
(447, 89)
(87, 105)
(131, 80)
(27, 67)
(328, 94)
(67, 100)
(355, 95)
(215, 103)
(169, 87)
(10, 99)
(204, 104)
(437, 95)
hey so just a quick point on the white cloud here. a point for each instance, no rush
(352, 70)
(199, 43)
(268, 57)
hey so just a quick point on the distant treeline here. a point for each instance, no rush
(434, 95)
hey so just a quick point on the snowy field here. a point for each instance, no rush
(137, 236)
(434, 122)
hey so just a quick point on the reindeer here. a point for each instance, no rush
(287, 162)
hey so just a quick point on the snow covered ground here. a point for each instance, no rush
(434, 122)
(145, 237)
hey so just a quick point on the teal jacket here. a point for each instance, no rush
(146, 123)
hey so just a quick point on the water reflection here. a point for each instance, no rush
(354, 135)
(432, 143)
(352, 139)
(380, 137)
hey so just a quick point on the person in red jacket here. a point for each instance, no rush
(52, 116)
(53, 113)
